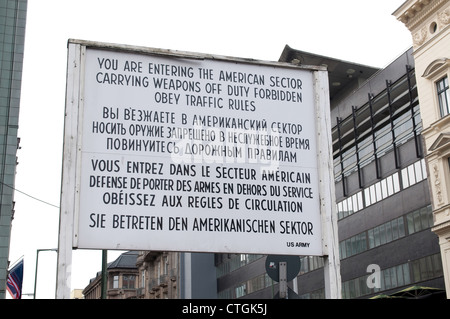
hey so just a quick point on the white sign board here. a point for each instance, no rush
(202, 154)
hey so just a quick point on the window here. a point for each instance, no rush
(143, 278)
(443, 93)
(115, 282)
(128, 281)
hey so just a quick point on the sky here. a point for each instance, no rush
(360, 31)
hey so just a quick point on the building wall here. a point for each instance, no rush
(429, 24)
(158, 275)
(12, 38)
(399, 157)
(408, 256)
(115, 285)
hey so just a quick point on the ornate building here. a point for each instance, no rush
(122, 276)
(429, 23)
(158, 275)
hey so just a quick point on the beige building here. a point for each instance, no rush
(429, 24)
(122, 278)
(158, 275)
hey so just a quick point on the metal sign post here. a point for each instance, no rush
(326, 188)
(283, 280)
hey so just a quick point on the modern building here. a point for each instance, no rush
(121, 279)
(391, 173)
(382, 193)
(12, 38)
(429, 24)
(385, 219)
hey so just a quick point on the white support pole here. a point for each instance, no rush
(68, 184)
(326, 188)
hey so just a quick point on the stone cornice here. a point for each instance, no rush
(413, 12)
(442, 228)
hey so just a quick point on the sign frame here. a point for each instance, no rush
(72, 157)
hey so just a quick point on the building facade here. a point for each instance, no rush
(391, 157)
(122, 279)
(382, 192)
(429, 24)
(12, 38)
(158, 275)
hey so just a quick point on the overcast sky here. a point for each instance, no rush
(361, 31)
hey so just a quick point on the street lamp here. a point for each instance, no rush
(37, 259)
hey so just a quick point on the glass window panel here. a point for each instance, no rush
(411, 175)
(354, 245)
(405, 180)
(344, 206)
(424, 218)
(357, 291)
(390, 185)
(348, 247)
(423, 269)
(128, 281)
(382, 234)
(304, 263)
(401, 227)
(388, 232)
(339, 209)
(410, 223)
(383, 286)
(351, 288)
(430, 216)
(342, 251)
(373, 195)
(393, 277)
(384, 189)
(378, 191)
(406, 274)
(429, 267)
(399, 276)
(417, 225)
(437, 265)
(415, 270)
(376, 235)
(364, 290)
(418, 170)
(363, 242)
(424, 168)
(355, 203)
(394, 226)
(396, 182)
(367, 197)
(349, 205)
(443, 93)
(360, 200)
(371, 238)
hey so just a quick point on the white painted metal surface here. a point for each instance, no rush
(327, 190)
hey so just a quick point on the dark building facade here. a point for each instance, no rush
(383, 203)
(12, 38)
(121, 279)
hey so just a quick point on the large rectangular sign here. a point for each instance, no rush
(194, 153)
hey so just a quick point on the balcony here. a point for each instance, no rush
(163, 280)
(154, 284)
(140, 292)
